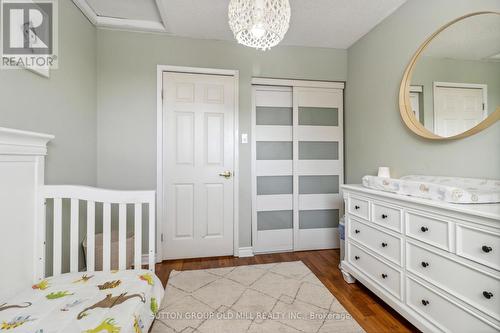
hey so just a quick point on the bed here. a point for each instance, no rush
(46, 284)
(115, 301)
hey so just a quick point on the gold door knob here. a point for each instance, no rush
(225, 174)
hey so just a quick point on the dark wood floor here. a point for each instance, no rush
(370, 311)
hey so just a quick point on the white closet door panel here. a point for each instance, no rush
(274, 241)
(274, 202)
(318, 133)
(274, 96)
(273, 133)
(320, 97)
(273, 168)
(317, 239)
(320, 201)
(317, 150)
(318, 167)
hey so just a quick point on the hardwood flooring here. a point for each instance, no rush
(369, 310)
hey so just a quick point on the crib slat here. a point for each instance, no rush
(74, 236)
(90, 235)
(151, 236)
(57, 236)
(138, 236)
(122, 232)
(106, 237)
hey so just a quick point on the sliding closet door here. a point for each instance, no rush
(272, 150)
(298, 167)
(317, 166)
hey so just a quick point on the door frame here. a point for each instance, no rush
(436, 84)
(160, 134)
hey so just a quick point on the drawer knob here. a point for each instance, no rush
(424, 264)
(486, 249)
(356, 257)
(384, 244)
(384, 276)
(384, 216)
(357, 231)
(425, 302)
(357, 207)
(487, 294)
(424, 229)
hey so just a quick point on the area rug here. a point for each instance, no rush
(272, 298)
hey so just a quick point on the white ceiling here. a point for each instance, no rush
(319, 23)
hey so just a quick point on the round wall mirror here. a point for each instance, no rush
(451, 87)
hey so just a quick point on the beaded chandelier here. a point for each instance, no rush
(260, 24)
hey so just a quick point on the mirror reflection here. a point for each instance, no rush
(456, 81)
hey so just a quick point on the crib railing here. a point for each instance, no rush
(92, 196)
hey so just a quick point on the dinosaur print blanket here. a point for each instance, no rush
(92, 302)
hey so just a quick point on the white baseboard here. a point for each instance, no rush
(245, 252)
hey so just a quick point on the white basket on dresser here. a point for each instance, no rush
(437, 264)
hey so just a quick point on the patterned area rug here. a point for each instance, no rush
(271, 298)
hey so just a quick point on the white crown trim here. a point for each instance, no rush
(17, 142)
(105, 22)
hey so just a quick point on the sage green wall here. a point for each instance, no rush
(126, 107)
(429, 70)
(374, 132)
(64, 105)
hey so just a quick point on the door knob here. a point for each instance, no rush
(225, 174)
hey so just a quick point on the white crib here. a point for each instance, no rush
(107, 198)
(22, 216)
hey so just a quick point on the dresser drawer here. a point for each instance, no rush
(386, 276)
(479, 245)
(359, 207)
(386, 216)
(384, 244)
(428, 230)
(447, 315)
(478, 289)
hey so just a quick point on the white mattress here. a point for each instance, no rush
(448, 189)
(117, 301)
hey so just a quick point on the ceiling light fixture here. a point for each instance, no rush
(260, 24)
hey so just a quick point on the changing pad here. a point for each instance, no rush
(116, 301)
(447, 189)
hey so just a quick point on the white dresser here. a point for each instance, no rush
(437, 264)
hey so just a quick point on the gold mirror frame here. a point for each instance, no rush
(404, 93)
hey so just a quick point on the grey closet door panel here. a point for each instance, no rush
(318, 150)
(274, 150)
(272, 185)
(313, 219)
(315, 116)
(274, 220)
(318, 184)
(273, 115)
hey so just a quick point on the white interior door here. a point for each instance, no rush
(198, 164)
(457, 109)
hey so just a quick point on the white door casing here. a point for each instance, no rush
(458, 107)
(199, 146)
